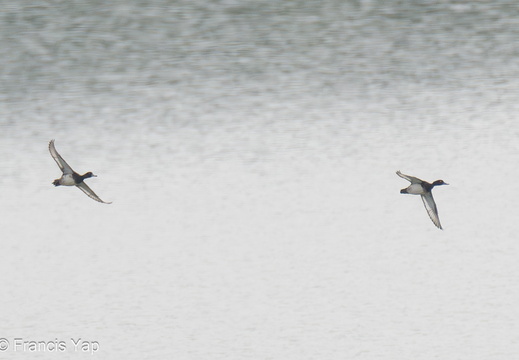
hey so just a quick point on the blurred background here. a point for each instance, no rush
(250, 150)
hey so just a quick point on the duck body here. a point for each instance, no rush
(424, 189)
(414, 189)
(70, 177)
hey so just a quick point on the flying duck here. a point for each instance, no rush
(423, 188)
(70, 177)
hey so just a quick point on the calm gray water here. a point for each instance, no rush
(250, 150)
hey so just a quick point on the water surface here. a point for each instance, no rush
(249, 149)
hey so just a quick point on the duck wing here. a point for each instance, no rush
(65, 168)
(412, 179)
(430, 206)
(90, 193)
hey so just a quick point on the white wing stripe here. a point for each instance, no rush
(430, 206)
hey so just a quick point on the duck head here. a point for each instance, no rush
(88, 175)
(439, 182)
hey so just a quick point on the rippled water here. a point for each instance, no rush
(249, 149)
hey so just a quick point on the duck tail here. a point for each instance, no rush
(403, 191)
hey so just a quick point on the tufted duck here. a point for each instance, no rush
(423, 188)
(70, 177)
